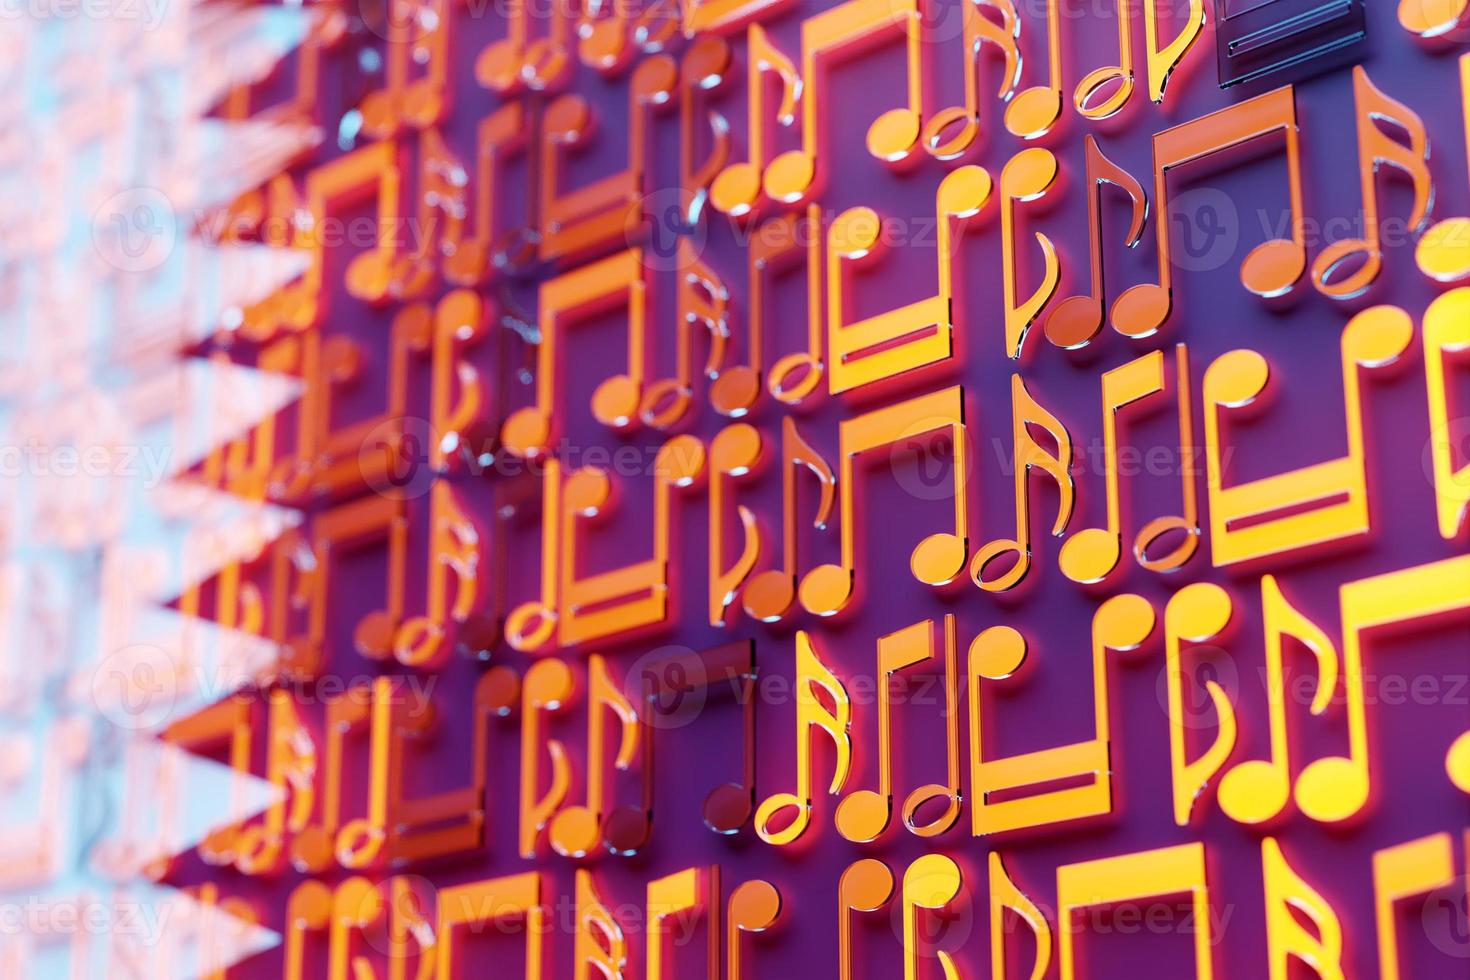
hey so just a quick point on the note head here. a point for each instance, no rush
(789, 177)
(374, 635)
(1141, 310)
(1073, 323)
(665, 404)
(379, 111)
(424, 104)
(735, 391)
(768, 596)
(773, 807)
(529, 628)
(1443, 252)
(1032, 113)
(922, 800)
(997, 653)
(1254, 792)
(369, 276)
(1272, 268)
(863, 816)
(360, 844)
(1103, 92)
(603, 44)
(826, 589)
(466, 265)
(795, 378)
(966, 127)
(1333, 789)
(995, 551)
(1431, 20)
(939, 559)
(755, 906)
(545, 66)
(574, 832)
(498, 67)
(894, 135)
(1457, 763)
(728, 807)
(527, 433)
(1345, 269)
(736, 189)
(1090, 555)
(866, 885)
(616, 402)
(1159, 529)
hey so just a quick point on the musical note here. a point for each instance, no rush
(864, 815)
(577, 295)
(736, 189)
(601, 943)
(1158, 873)
(866, 886)
(1027, 453)
(1163, 60)
(797, 376)
(770, 594)
(1091, 554)
(1443, 252)
(1027, 176)
(635, 596)
(576, 223)
(684, 895)
(1077, 319)
(703, 70)
(577, 830)
(1446, 337)
(1197, 613)
(314, 846)
(291, 766)
(476, 243)
(1430, 19)
(911, 337)
(418, 33)
(1244, 521)
(733, 453)
(1005, 896)
(230, 722)
(721, 16)
(668, 682)
(1255, 791)
(1273, 267)
(1035, 110)
(1290, 904)
(1376, 148)
(855, 25)
(547, 687)
(703, 305)
(755, 906)
(513, 903)
(931, 882)
(532, 625)
(1122, 624)
(1414, 868)
(812, 717)
(308, 909)
(516, 61)
(978, 31)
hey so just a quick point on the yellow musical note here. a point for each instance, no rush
(496, 901)
(1197, 613)
(687, 893)
(1446, 337)
(1004, 896)
(1027, 176)
(755, 906)
(734, 453)
(1406, 870)
(931, 882)
(1289, 902)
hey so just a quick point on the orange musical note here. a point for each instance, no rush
(1446, 337)
(865, 886)
(1093, 553)
(1408, 870)
(1195, 614)
(797, 376)
(683, 895)
(577, 295)
(601, 943)
(1027, 412)
(514, 899)
(1004, 896)
(1077, 319)
(1159, 873)
(576, 223)
(864, 815)
(291, 766)
(1035, 110)
(474, 244)
(418, 32)
(313, 848)
(1123, 623)
(688, 678)
(547, 688)
(1291, 903)
(736, 189)
(733, 453)
(911, 337)
(703, 69)
(930, 882)
(1431, 19)
(1272, 268)
(1443, 252)
(531, 625)
(577, 830)
(770, 594)
(516, 61)
(703, 305)
(230, 722)
(1243, 525)
(812, 716)
(344, 914)
(755, 906)
(938, 559)
(1376, 148)
(1027, 176)
(855, 25)
(978, 31)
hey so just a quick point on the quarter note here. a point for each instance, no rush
(1272, 268)
(978, 31)
(866, 886)
(518, 62)
(770, 594)
(1035, 110)
(1376, 148)
(476, 243)
(931, 882)
(864, 815)
(577, 830)
(1027, 176)
(737, 188)
(755, 907)
(1446, 340)
(1077, 319)
(1197, 613)
(1093, 553)
(1312, 505)
(812, 717)
(702, 309)
(417, 33)
(938, 559)
(1026, 412)
(733, 454)
(547, 688)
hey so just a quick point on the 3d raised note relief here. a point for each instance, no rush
(735, 489)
